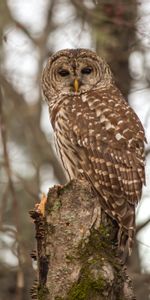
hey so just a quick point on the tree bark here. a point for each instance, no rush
(77, 248)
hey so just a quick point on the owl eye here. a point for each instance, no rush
(63, 72)
(87, 70)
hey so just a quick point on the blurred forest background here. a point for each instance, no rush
(30, 31)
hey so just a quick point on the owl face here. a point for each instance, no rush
(75, 71)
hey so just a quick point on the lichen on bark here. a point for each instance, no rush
(77, 248)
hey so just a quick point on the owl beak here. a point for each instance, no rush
(76, 85)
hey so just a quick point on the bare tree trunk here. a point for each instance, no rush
(77, 249)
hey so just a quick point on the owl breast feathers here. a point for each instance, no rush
(98, 136)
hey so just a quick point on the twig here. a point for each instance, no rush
(141, 226)
(3, 205)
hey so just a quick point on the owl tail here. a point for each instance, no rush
(126, 234)
(123, 212)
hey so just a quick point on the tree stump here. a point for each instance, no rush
(77, 248)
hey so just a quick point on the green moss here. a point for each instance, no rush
(61, 191)
(42, 293)
(56, 205)
(104, 231)
(70, 258)
(66, 187)
(98, 244)
(92, 255)
(79, 291)
(85, 287)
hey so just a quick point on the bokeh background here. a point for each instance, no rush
(30, 31)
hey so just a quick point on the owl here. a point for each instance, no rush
(98, 136)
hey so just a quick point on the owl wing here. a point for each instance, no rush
(112, 155)
(117, 172)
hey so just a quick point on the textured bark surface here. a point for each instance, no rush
(76, 249)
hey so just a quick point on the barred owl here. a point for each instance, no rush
(99, 137)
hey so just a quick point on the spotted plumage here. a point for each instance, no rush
(98, 136)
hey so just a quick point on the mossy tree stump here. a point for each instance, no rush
(77, 248)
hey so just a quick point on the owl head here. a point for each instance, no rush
(73, 72)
